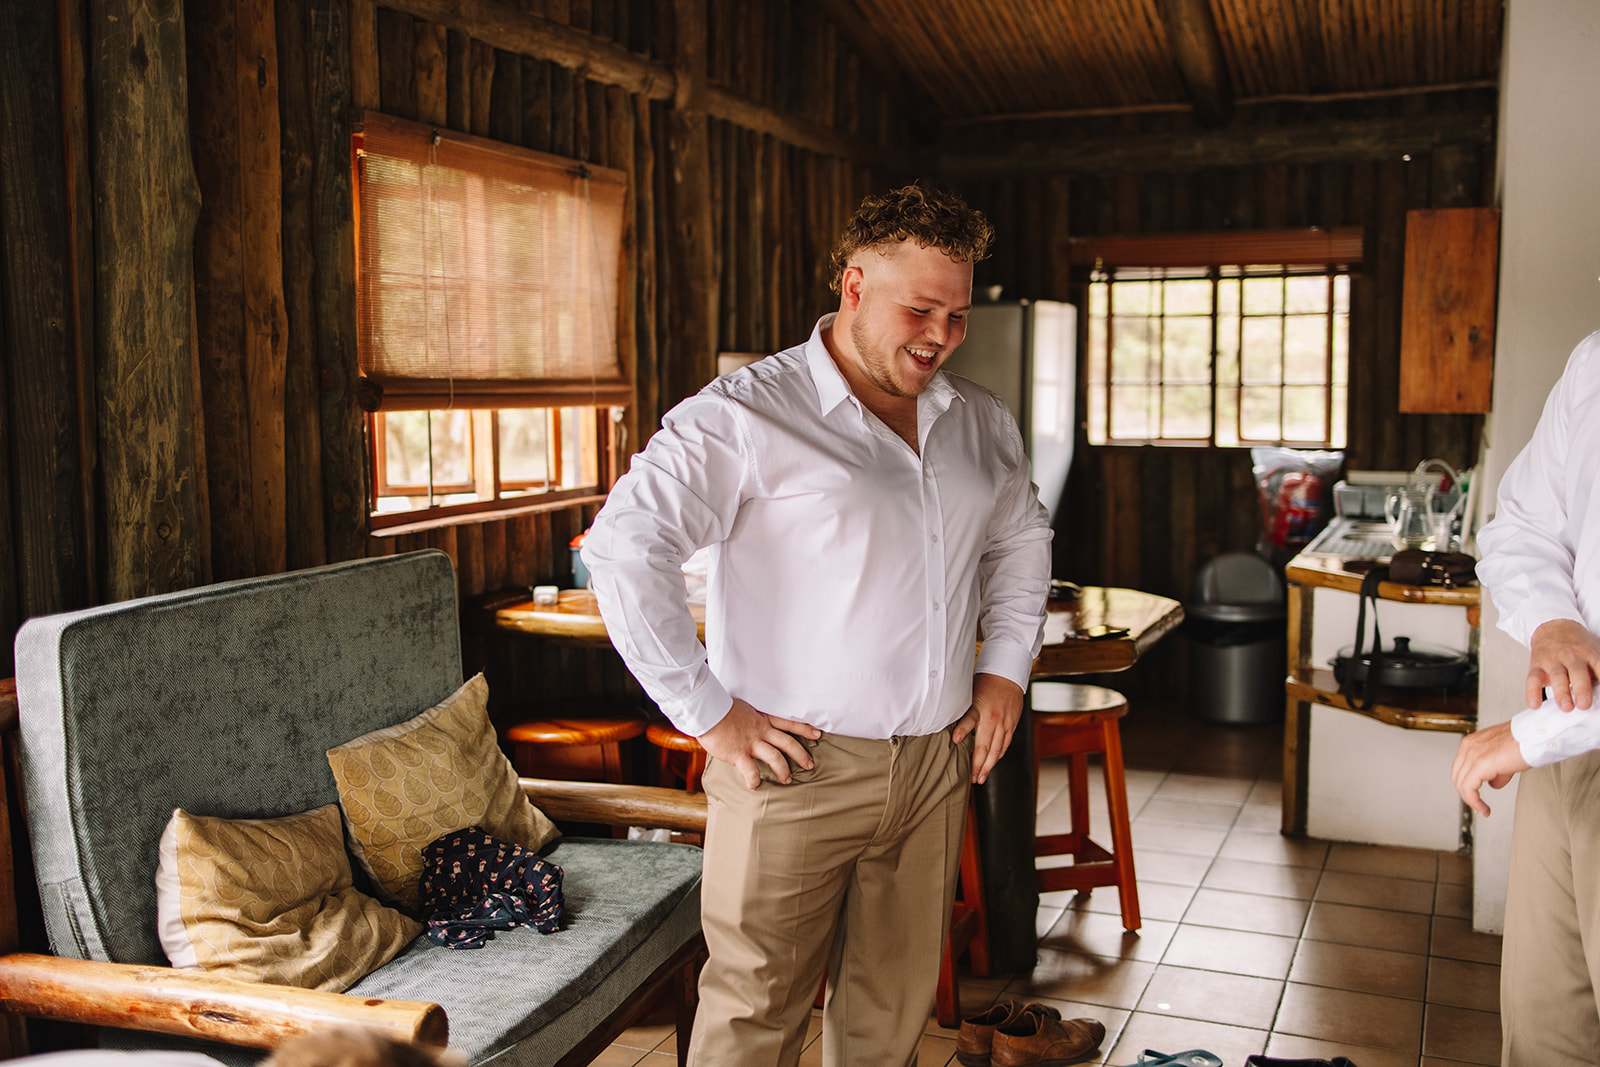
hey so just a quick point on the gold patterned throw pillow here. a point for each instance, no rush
(271, 900)
(407, 785)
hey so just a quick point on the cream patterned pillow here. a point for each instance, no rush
(405, 786)
(271, 900)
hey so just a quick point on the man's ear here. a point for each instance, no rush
(850, 284)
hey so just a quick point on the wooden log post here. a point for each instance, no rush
(39, 364)
(691, 360)
(146, 203)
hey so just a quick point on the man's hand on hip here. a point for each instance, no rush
(996, 707)
(1489, 757)
(1565, 657)
(745, 735)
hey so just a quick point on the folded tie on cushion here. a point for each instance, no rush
(473, 884)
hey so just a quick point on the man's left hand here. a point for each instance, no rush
(996, 707)
(1489, 757)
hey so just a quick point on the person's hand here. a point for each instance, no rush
(1489, 757)
(996, 707)
(745, 735)
(1566, 657)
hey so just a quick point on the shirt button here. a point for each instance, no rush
(935, 605)
(935, 538)
(933, 674)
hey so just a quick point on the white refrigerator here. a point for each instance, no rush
(1025, 351)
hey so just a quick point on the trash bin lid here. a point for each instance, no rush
(1239, 578)
(1256, 612)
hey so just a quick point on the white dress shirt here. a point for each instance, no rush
(849, 576)
(1541, 553)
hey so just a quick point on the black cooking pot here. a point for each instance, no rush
(1405, 666)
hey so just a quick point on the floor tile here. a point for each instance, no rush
(1266, 792)
(1454, 900)
(1461, 984)
(618, 1056)
(1234, 951)
(1087, 979)
(1101, 934)
(935, 1051)
(1294, 1047)
(1402, 931)
(1415, 863)
(1175, 837)
(1167, 1034)
(1172, 867)
(1196, 787)
(1366, 970)
(1457, 940)
(1397, 894)
(1462, 1034)
(1192, 812)
(1455, 868)
(1157, 900)
(1269, 846)
(1267, 879)
(1231, 999)
(1247, 911)
(1347, 1016)
(1434, 1061)
(1263, 817)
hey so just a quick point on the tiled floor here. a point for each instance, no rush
(1251, 942)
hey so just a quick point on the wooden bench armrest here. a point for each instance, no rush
(199, 1005)
(618, 805)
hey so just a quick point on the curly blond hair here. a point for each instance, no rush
(932, 217)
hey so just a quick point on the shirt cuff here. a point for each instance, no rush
(698, 712)
(1547, 734)
(1011, 662)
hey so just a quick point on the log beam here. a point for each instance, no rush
(1332, 141)
(1197, 50)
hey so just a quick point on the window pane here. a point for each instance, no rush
(1262, 356)
(579, 464)
(1258, 413)
(1306, 294)
(405, 447)
(1097, 415)
(1188, 297)
(1098, 293)
(1131, 356)
(525, 446)
(1186, 412)
(1263, 296)
(1227, 417)
(1186, 351)
(452, 447)
(1228, 296)
(1341, 417)
(1341, 292)
(1304, 417)
(1132, 298)
(1341, 350)
(1131, 412)
(1305, 349)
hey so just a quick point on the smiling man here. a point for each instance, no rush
(868, 518)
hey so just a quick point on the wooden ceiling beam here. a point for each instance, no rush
(1328, 141)
(505, 27)
(1197, 49)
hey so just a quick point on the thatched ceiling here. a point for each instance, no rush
(993, 58)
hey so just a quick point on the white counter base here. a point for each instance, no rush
(1377, 784)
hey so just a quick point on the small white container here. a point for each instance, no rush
(545, 596)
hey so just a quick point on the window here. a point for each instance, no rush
(1202, 340)
(488, 282)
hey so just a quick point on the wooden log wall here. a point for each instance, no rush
(1151, 517)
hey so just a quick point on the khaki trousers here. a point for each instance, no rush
(851, 870)
(1550, 959)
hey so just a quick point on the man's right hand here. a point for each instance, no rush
(1565, 657)
(745, 735)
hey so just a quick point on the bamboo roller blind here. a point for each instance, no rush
(488, 275)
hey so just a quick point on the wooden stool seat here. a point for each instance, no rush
(552, 747)
(671, 740)
(1077, 721)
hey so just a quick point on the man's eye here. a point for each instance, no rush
(920, 311)
(957, 318)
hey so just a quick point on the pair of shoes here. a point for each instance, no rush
(975, 1039)
(1034, 1039)
(1195, 1057)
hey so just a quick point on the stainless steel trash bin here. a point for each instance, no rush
(1236, 624)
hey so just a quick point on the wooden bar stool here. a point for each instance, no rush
(579, 740)
(969, 929)
(681, 755)
(1076, 721)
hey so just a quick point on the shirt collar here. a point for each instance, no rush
(833, 390)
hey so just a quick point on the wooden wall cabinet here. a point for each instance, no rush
(1447, 327)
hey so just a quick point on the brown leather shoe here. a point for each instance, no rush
(975, 1040)
(1034, 1039)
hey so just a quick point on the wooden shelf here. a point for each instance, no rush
(1420, 709)
(1327, 572)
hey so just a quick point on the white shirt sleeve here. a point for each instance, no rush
(680, 494)
(1014, 579)
(1547, 734)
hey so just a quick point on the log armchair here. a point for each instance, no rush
(223, 701)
